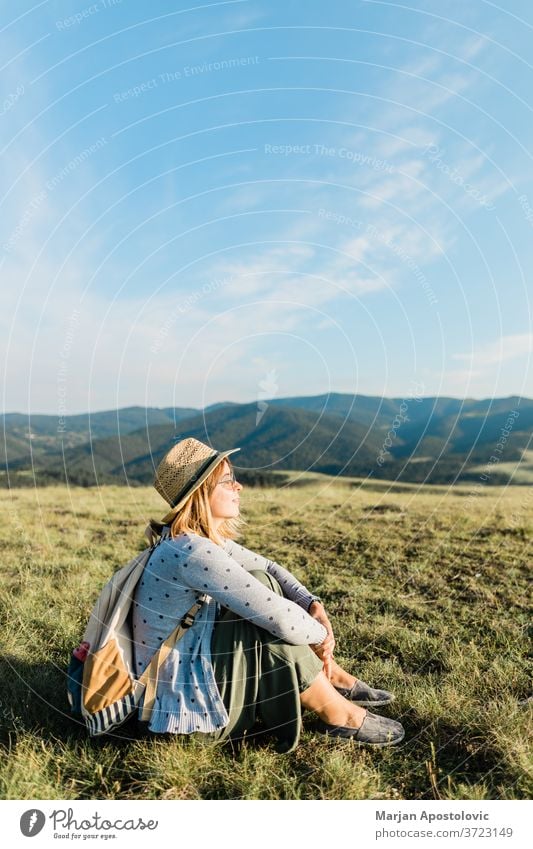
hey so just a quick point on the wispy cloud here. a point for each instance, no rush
(498, 351)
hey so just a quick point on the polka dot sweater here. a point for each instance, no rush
(187, 697)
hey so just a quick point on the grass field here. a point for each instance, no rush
(427, 590)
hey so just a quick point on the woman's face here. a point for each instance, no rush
(224, 500)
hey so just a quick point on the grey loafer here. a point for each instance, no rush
(365, 696)
(374, 731)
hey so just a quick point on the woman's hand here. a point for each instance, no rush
(325, 650)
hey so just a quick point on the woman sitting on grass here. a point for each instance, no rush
(261, 646)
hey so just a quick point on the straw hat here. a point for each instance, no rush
(183, 470)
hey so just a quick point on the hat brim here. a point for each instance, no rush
(217, 460)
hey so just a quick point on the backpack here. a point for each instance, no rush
(102, 686)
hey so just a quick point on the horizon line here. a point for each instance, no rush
(64, 415)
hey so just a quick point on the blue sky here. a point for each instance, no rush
(228, 201)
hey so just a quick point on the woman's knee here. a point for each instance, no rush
(267, 579)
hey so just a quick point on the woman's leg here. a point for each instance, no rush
(341, 678)
(322, 698)
(356, 690)
(260, 678)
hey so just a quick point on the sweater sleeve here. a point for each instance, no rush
(291, 587)
(209, 569)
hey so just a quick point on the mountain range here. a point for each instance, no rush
(434, 440)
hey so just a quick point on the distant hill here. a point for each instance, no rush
(41, 435)
(438, 440)
(451, 418)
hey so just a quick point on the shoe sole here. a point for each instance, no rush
(362, 703)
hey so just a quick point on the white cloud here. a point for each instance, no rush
(502, 349)
(472, 47)
(410, 137)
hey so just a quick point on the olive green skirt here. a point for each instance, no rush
(260, 678)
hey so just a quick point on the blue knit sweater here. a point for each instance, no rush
(187, 697)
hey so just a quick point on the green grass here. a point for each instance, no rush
(426, 589)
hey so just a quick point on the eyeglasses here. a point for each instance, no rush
(228, 482)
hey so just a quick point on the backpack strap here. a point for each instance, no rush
(151, 673)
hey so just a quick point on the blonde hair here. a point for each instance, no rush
(195, 516)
